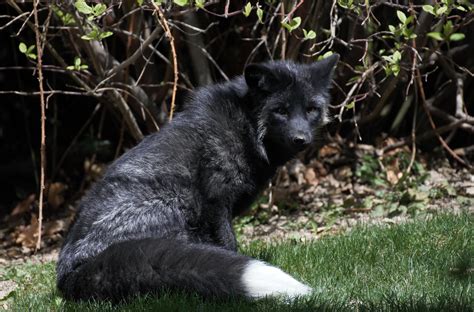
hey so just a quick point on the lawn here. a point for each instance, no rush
(418, 266)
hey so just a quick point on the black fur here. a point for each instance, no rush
(161, 216)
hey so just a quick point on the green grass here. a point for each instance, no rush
(419, 266)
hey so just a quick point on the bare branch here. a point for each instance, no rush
(425, 105)
(13, 19)
(129, 61)
(39, 49)
(165, 26)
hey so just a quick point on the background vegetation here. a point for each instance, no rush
(111, 72)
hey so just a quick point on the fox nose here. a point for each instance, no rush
(300, 141)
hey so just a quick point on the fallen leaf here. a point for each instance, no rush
(27, 235)
(365, 147)
(53, 227)
(55, 194)
(343, 172)
(470, 191)
(319, 168)
(392, 177)
(329, 150)
(310, 176)
(24, 205)
(437, 178)
(93, 170)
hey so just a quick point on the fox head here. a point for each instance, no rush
(291, 102)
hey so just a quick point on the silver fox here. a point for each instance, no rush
(160, 218)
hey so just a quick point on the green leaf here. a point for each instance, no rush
(99, 9)
(395, 69)
(181, 2)
(70, 67)
(260, 14)
(92, 35)
(448, 28)
(308, 35)
(429, 9)
(457, 37)
(435, 35)
(247, 9)
(325, 55)
(22, 47)
(158, 2)
(293, 24)
(441, 10)
(392, 29)
(200, 3)
(388, 58)
(31, 56)
(346, 4)
(83, 7)
(97, 34)
(57, 11)
(30, 49)
(350, 105)
(461, 8)
(140, 2)
(77, 61)
(397, 56)
(401, 16)
(66, 18)
(105, 34)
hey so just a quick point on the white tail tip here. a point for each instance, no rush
(262, 280)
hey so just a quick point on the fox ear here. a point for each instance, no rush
(263, 78)
(321, 71)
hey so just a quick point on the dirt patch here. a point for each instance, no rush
(335, 193)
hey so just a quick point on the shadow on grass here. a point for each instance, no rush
(190, 303)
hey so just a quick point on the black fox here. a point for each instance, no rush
(160, 218)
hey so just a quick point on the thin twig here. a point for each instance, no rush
(52, 92)
(360, 81)
(430, 118)
(424, 136)
(413, 124)
(13, 20)
(135, 55)
(459, 97)
(226, 8)
(157, 53)
(283, 37)
(167, 29)
(39, 49)
(290, 14)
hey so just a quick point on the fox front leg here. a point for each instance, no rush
(226, 235)
(222, 233)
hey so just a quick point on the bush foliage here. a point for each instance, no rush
(115, 71)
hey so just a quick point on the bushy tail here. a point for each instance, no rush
(153, 265)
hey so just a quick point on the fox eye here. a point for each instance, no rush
(311, 109)
(282, 111)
